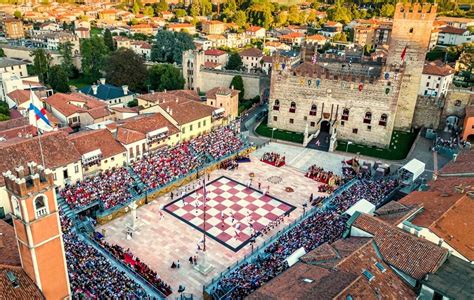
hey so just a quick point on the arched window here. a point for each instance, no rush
(40, 206)
(345, 114)
(293, 107)
(313, 110)
(16, 207)
(368, 117)
(276, 105)
(383, 120)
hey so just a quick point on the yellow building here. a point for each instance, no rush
(13, 29)
(183, 109)
(226, 100)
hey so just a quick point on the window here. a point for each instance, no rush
(204, 123)
(112, 159)
(354, 130)
(130, 151)
(105, 161)
(313, 110)
(345, 114)
(191, 127)
(457, 103)
(199, 124)
(305, 118)
(368, 117)
(276, 105)
(76, 169)
(183, 130)
(212, 103)
(368, 275)
(16, 207)
(292, 121)
(411, 30)
(342, 123)
(275, 118)
(429, 77)
(427, 84)
(312, 124)
(40, 207)
(369, 128)
(380, 267)
(293, 107)
(437, 85)
(383, 120)
(54, 176)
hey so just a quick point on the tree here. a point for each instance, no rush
(238, 84)
(234, 62)
(41, 63)
(148, 11)
(17, 14)
(94, 53)
(125, 67)
(161, 6)
(179, 13)
(206, 7)
(340, 37)
(136, 8)
(294, 15)
(195, 9)
(108, 40)
(169, 46)
(387, 10)
(165, 77)
(240, 18)
(65, 49)
(2, 53)
(58, 79)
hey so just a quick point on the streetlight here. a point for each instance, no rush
(347, 145)
(273, 130)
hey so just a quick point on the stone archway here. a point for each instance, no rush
(325, 126)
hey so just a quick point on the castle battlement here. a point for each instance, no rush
(415, 11)
(23, 181)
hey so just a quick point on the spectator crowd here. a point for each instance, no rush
(273, 159)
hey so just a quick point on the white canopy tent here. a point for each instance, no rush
(415, 167)
(293, 258)
(362, 206)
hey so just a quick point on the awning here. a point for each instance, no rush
(362, 206)
(293, 258)
(158, 131)
(415, 167)
(89, 156)
(219, 111)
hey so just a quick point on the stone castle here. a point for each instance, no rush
(355, 97)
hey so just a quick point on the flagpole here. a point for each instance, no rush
(37, 130)
(204, 226)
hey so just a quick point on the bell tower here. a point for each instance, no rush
(37, 228)
(410, 38)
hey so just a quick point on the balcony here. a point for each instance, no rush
(276, 107)
(367, 120)
(312, 113)
(345, 117)
(383, 122)
(292, 110)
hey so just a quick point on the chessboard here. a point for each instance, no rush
(234, 212)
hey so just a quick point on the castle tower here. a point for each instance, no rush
(412, 25)
(192, 62)
(37, 228)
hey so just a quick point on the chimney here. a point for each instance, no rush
(171, 112)
(168, 109)
(94, 89)
(152, 92)
(176, 99)
(125, 89)
(164, 91)
(232, 87)
(440, 242)
(102, 80)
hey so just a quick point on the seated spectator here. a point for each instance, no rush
(273, 159)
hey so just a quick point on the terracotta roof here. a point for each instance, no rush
(185, 110)
(13, 123)
(267, 59)
(214, 52)
(292, 35)
(464, 164)
(169, 95)
(334, 271)
(211, 94)
(395, 212)
(252, 52)
(254, 28)
(452, 30)
(456, 227)
(455, 19)
(147, 123)
(412, 255)
(19, 96)
(27, 289)
(316, 37)
(140, 26)
(57, 152)
(332, 23)
(99, 112)
(9, 255)
(180, 25)
(470, 111)
(123, 109)
(87, 141)
(62, 103)
(215, 37)
(211, 65)
(127, 136)
(437, 68)
(22, 131)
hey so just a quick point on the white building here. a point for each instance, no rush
(255, 32)
(251, 58)
(436, 79)
(454, 36)
(141, 48)
(216, 56)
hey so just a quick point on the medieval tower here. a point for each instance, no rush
(38, 229)
(409, 42)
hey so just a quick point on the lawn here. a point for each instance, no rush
(289, 136)
(79, 82)
(96, 31)
(399, 147)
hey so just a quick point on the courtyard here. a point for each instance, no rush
(171, 230)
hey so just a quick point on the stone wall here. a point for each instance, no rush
(331, 96)
(253, 84)
(456, 102)
(427, 112)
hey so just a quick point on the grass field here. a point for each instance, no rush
(289, 136)
(79, 82)
(399, 147)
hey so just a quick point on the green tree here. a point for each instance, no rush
(58, 79)
(125, 67)
(260, 13)
(179, 13)
(17, 14)
(240, 18)
(195, 9)
(206, 7)
(169, 46)
(41, 63)
(65, 50)
(340, 37)
(238, 84)
(136, 8)
(339, 13)
(148, 11)
(234, 62)
(2, 53)
(165, 77)
(94, 53)
(108, 40)
(387, 10)
(161, 6)
(294, 15)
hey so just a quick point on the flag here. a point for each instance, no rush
(315, 57)
(404, 52)
(37, 114)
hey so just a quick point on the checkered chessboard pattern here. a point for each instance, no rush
(233, 211)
